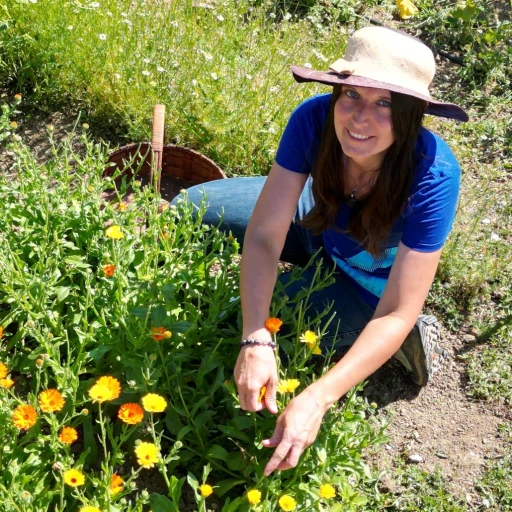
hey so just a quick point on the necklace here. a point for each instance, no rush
(351, 200)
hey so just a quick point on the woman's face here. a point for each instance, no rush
(362, 121)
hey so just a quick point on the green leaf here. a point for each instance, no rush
(242, 422)
(233, 432)
(224, 486)
(76, 261)
(217, 452)
(99, 352)
(159, 316)
(236, 461)
(159, 503)
(139, 312)
(168, 291)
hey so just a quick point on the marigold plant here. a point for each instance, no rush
(288, 385)
(51, 400)
(147, 454)
(74, 478)
(287, 503)
(327, 491)
(1, 331)
(6, 383)
(114, 232)
(273, 325)
(109, 270)
(158, 333)
(24, 417)
(68, 435)
(131, 414)
(116, 484)
(205, 490)
(89, 508)
(111, 383)
(154, 403)
(100, 393)
(263, 390)
(254, 496)
(3, 371)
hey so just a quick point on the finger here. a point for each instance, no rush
(276, 437)
(280, 453)
(270, 396)
(241, 399)
(292, 459)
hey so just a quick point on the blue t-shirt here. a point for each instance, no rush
(426, 220)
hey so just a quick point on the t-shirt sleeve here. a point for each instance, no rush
(430, 212)
(301, 137)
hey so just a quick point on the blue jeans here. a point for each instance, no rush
(233, 201)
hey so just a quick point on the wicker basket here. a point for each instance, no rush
(176, 167)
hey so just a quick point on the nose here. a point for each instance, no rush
(362, 112)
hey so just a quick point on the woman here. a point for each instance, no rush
(357, 176)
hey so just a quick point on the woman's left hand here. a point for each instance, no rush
(296, 429)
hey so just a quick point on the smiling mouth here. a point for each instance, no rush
(358, 136)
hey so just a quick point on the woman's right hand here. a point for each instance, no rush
(256, 367)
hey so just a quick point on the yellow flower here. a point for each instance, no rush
(406, 9)
(309, 338)
(114, 232)
(24, 417)
(287, 502)
(3, 371)
(1, 331)
(273, 325)
(68, 435)
(205, 490)
(74, 478)
(254, 496)
(147, 454)
(111, 383)
(263, 390)
(122, 207)
(168, 334)
(154, 403)
(17, 97)
(6, 383)
(327, 491)
(288, 385)
(130, 414)
(51, 400)
(14, 124)
(89, 509)
(99, 393)
(116, 484)
(317, 351)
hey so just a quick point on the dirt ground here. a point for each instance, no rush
(439, 423)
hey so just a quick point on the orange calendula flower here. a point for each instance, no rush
(116, 484)
(114, 232)
(406, 9)
(100, 393)
(68, 435)
(51, 400)
(3, 371)
(74, 478)
(205, 490)
(1, 331)
(263, 390)
(158, 333)
(147, 454)
(131, 414)
(109, 270)
(24, 417)
(112, 383)
(6, 383)
(154, 403)
(273, 325)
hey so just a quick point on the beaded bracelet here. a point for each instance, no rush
(251, 341)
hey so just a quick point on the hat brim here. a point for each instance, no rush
(435, 108)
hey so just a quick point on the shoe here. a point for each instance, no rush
(420, 354)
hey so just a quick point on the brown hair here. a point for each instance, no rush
(372, 218)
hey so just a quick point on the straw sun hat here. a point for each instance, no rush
(383, 58)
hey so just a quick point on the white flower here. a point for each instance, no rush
(214, 76)
(160, 69)
(174, 24)
(102, 37)
(287, 16)
(486, 221)
(194, 82)
(108, 13)
(308, 65)
(495, 237)
(147, 61)
(70, 27)
(146, 73)
(207, 56)
(249, 77)
(124, 15)
(94, 5)
(282, 53)
(128, 22)
(220, 17)
(320, 56)
(117, 76)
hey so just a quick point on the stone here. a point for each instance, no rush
(415, 458)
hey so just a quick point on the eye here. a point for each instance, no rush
(351, 93)
(384, 103)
